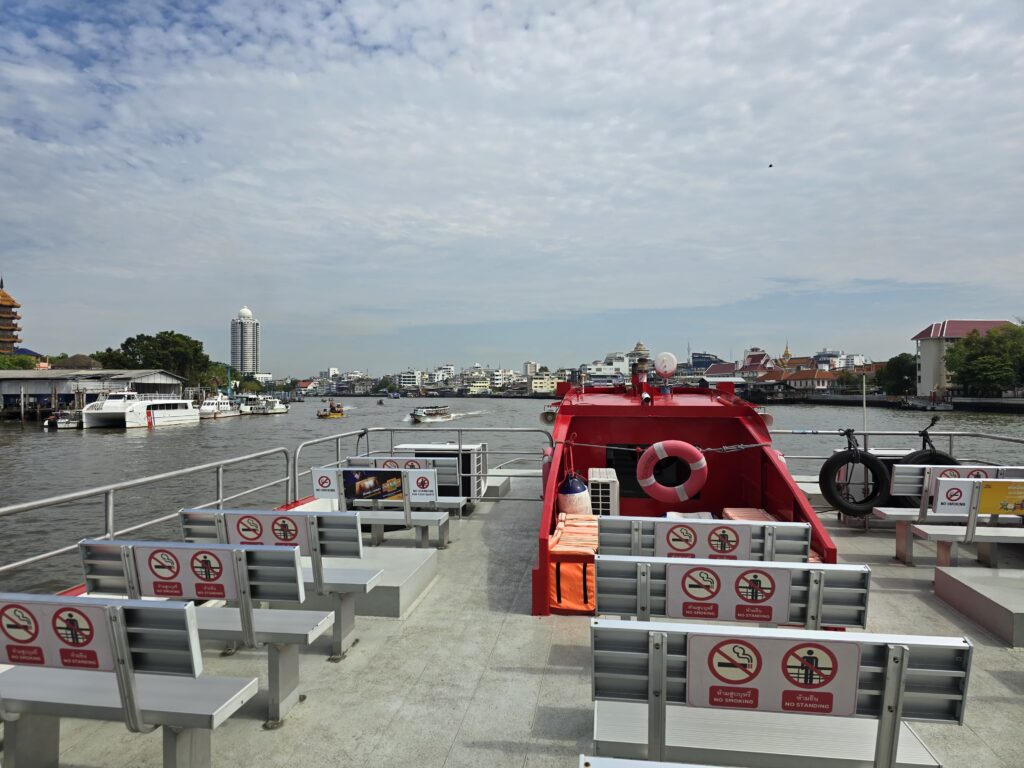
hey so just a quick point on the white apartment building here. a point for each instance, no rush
(409, 379)
(542, 383)
(245, 343)
(444, 372)
(932, 344)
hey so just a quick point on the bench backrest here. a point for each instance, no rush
(646, 537)
(316, 534)
(472, 479)
(240, 574)
(977, 497)
(890, 677)
(447, 468)
(118, 636)
(918, 479)
(815, 595)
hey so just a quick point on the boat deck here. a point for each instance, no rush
(470, 678)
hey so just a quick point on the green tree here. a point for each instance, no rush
(17, 362)
(899, 376)
(988, 365)
(846, 380)
(249, 384)
(169, 350)
(387, 383)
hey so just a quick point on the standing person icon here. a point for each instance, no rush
(73, 629)
(722, 541)
(206, 567)
(809, 673)
(754, 587)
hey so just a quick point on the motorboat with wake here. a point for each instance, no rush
(431, 413)
(676, 452)
(332, 411)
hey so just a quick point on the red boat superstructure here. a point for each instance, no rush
(611, 427)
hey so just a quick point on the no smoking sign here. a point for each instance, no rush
(713, 591)
(704, 539)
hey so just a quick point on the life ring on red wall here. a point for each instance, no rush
(670, 494)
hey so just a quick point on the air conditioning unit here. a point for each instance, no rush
(604, 491)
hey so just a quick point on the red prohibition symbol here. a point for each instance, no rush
(954, 494)
(681, 538)
(411, 464)
(423, 483)
(810, 665)
(390, 464)
(206, 566)
(723, 539)
(18, 623)
(324, 481)
(755, 586)
(284, 528)
(734, 661)
(163, 564)
(701, 583)
(249, 528)
(72, 627)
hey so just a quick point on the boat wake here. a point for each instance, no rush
(468, 414)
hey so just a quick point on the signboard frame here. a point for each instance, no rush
(730, 601)
(706, 539)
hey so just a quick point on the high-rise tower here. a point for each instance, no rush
(245, 343)
(9, 318)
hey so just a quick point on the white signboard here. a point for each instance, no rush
(325, 483)
(772, 675)
(191, 573)
(952, 496)
(715, 592)
(421, 485)
(703, 539)
(281, 529)
(50, 635)
(401, 462)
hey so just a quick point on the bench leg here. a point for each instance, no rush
(444, 534)
(376, 535)
(31, 741)
(422, 536)
(945, 553)
(187, 747)
(988, 554)
(283, 682)
(904, 543)
(344, 624)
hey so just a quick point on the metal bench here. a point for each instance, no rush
(317, 535)
(645, 537)
(588, 761)
(906, 518)
(725, 695)
(239, 574)
(117, 660)
(814, 595)
(947, 538)
(447, 477)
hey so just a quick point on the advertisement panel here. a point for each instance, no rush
(1001, 497)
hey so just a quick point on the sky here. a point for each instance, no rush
(393, 184)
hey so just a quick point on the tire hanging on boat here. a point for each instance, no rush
(836, 490)
(671, 494)
(925, 456)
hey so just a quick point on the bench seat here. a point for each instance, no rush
(180, 702)
(947, 537)
(736, 737)
(587, 761)
(905, 517)
(272, 626)
(422, 521)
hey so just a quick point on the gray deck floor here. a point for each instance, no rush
(470, 678)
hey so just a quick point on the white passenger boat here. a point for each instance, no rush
(127, 408)
(268, 406)
(247, 401)
(431, 413)
(63, 420)
(218, 407)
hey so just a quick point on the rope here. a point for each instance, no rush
(721, 449)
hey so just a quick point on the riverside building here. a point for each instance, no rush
(245, 343)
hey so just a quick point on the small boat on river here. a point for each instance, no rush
(219, 406)
(63, 420)
(431, 413)
(332, 411)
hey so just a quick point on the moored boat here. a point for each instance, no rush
(676, 452)
(126, 408)
(63, 420)
(218, 407)
(268, 406)
(431, 413)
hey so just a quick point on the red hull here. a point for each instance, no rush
(753, 477)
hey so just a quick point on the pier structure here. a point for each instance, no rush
(35, 394)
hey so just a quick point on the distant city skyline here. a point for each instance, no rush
(500, 183)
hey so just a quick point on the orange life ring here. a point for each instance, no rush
(670, 494)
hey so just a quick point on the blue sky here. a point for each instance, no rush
(419, 182)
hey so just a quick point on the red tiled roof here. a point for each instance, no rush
(958, 329)
(775, 375)
(805, 375)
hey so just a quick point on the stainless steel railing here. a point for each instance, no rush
(107, 493)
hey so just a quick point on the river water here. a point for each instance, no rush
(35, 463)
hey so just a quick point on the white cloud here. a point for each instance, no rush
(458, 161)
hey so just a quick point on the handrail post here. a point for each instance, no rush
(220, 486)
(108, 509)
(337, 450)
(291, 469)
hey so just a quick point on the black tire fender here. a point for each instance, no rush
(830, 487)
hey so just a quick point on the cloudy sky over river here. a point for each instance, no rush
(409, 183)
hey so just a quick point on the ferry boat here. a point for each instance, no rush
(127, 408)
(268, 406)
(431, 413)
(676, 452)
(219, 406)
